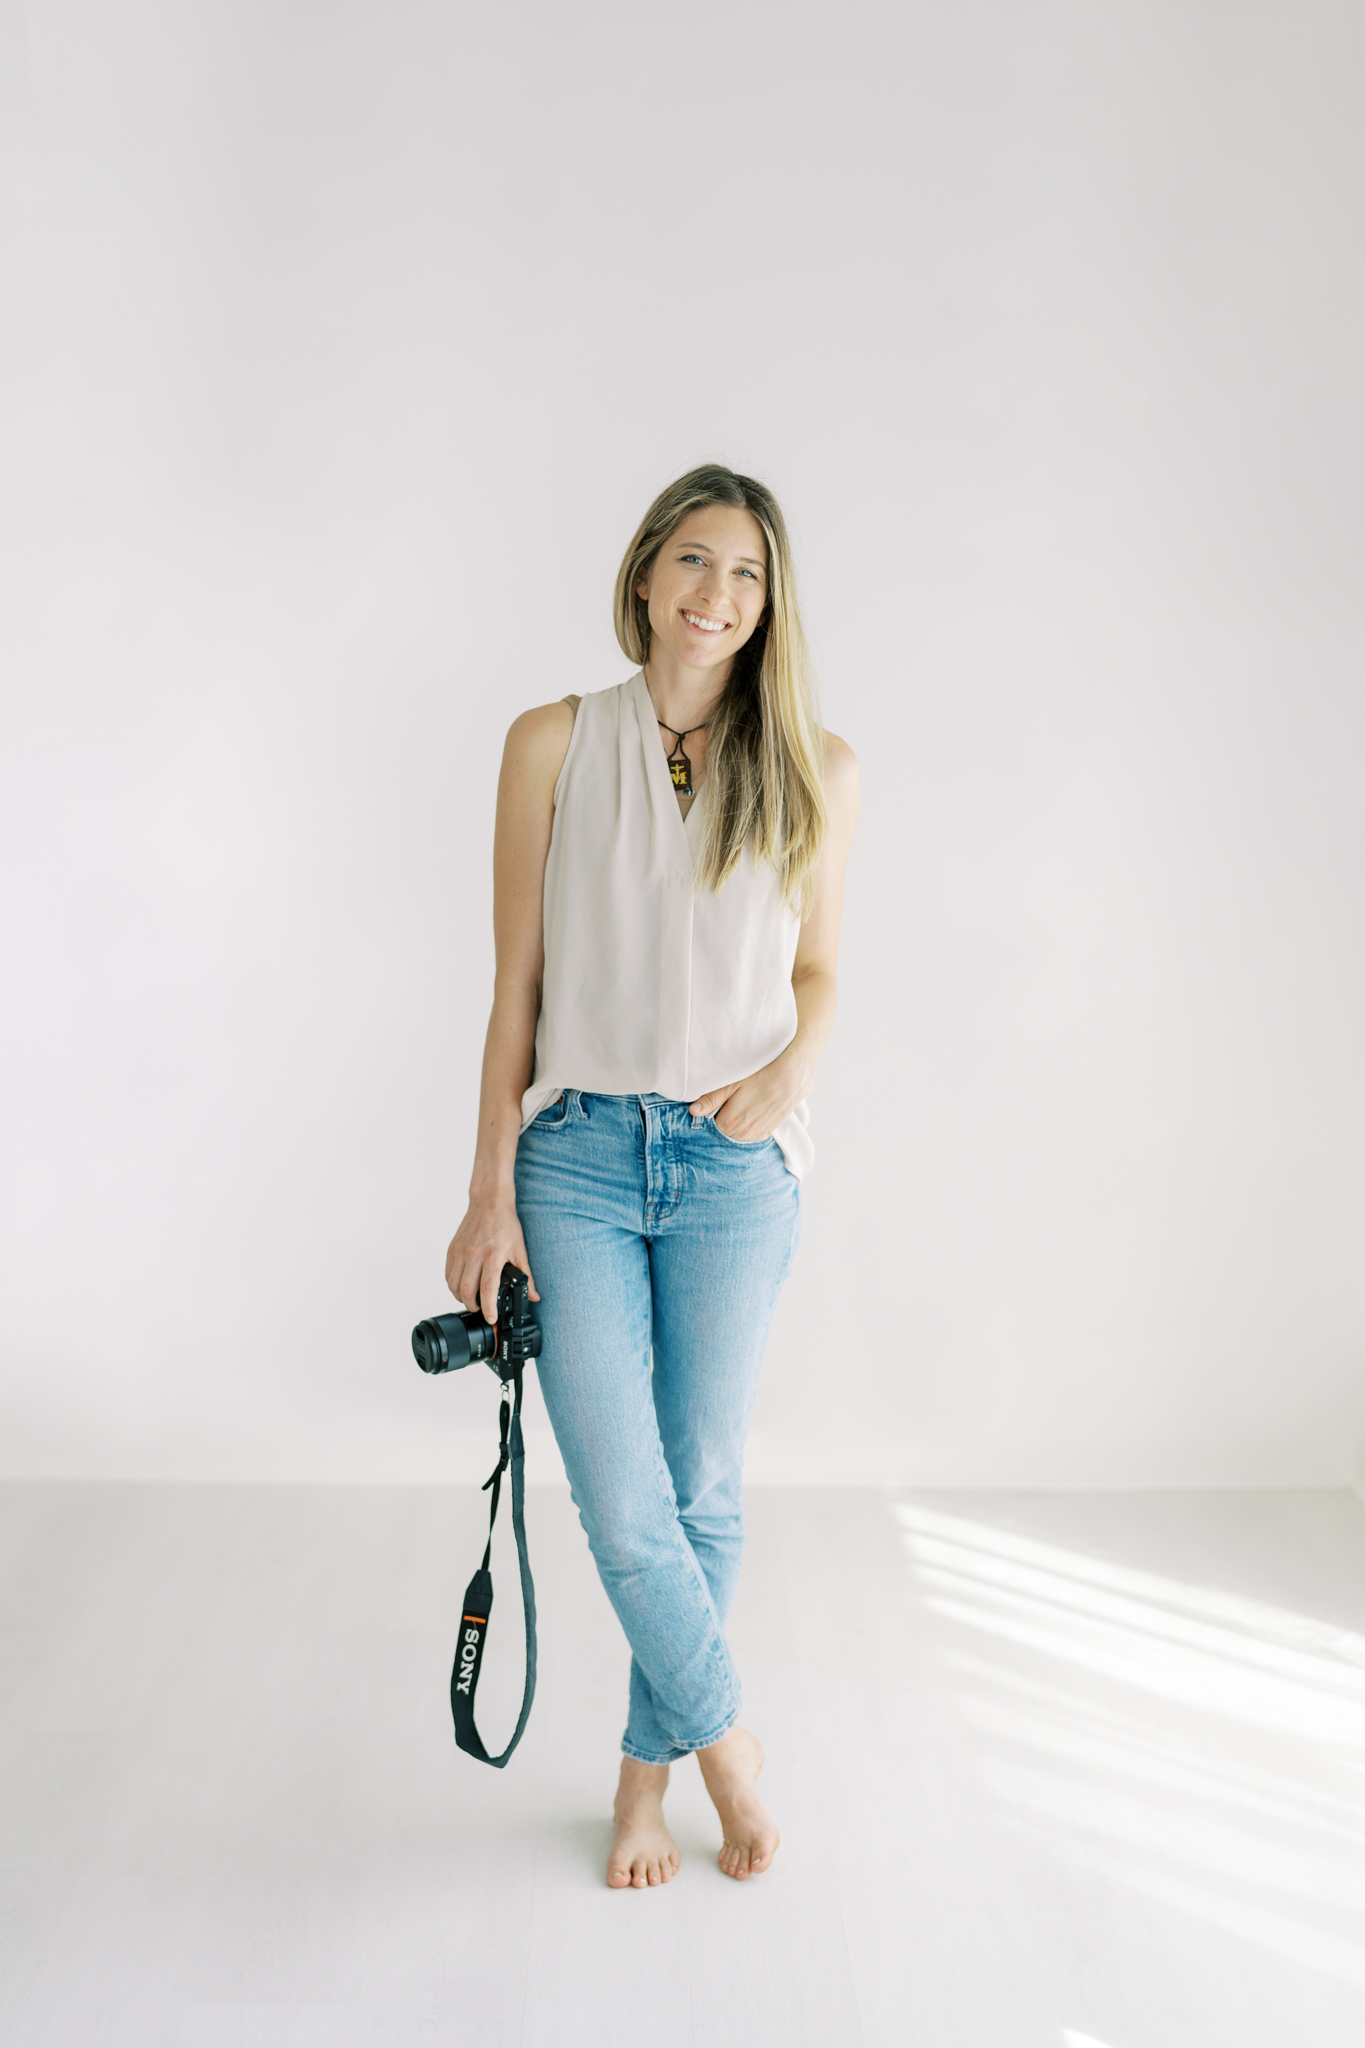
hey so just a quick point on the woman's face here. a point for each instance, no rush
(706, 587)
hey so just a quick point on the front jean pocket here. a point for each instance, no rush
(740, 1144)
(555, 1115)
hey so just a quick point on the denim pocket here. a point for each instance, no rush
(740, 1144)
(555, 1115)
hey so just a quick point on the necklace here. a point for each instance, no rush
(679, 767)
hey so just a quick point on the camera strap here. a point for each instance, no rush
(478, 1599)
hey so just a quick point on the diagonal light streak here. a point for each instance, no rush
(1273, 1624)
(1264, 1842)
(1138, 1763)
(969, 1569)
(1108, 1723)
(1179, 1674)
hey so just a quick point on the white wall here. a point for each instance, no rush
(353, 340)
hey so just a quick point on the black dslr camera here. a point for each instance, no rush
(445, 1343)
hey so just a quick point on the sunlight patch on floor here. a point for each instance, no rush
(1197, 1747)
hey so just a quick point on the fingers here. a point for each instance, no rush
(489, 1281)
(474, 1264)
(517, 1257)
(707, 1105)
(463, 1274)
(466, 1277)
(455, 1272)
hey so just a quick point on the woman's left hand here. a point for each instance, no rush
(753, 1108)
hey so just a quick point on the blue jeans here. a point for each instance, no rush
(658, 1246)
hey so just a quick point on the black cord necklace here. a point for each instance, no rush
(679, 767)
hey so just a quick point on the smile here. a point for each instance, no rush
(706, 625)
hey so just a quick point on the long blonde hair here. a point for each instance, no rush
(765, 752)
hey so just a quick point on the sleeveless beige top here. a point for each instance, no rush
(653, 986)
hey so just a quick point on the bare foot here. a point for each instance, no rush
(729, 1768)
(642, 1850)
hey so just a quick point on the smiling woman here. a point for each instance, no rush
(665, 984)
(707, 596)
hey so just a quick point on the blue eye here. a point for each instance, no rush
(693, 558)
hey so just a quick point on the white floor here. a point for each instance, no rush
(1052, 1771)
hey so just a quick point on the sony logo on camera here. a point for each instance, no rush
(519, 1336)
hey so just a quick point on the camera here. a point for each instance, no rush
(446, 1343)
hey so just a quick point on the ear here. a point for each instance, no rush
(642, 589)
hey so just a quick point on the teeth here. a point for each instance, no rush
(707, 625)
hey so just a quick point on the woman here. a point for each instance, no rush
(668, 874)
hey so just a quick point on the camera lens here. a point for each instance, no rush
(445, 1343)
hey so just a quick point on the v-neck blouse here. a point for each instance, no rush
(651, 985)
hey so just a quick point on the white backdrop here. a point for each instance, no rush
(352, 340)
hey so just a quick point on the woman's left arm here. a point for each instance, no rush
(753, 1108)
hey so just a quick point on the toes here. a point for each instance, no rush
(644, 1870)
(740, 1860)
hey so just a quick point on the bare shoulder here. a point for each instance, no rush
(543, 727)
(841, 777)
(841, 763)
(537, 743)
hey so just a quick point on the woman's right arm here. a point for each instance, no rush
(490, 1234)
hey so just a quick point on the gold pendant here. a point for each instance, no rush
(681, 771)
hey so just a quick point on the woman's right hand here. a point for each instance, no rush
(488, 1239)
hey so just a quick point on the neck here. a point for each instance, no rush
(683, 698)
